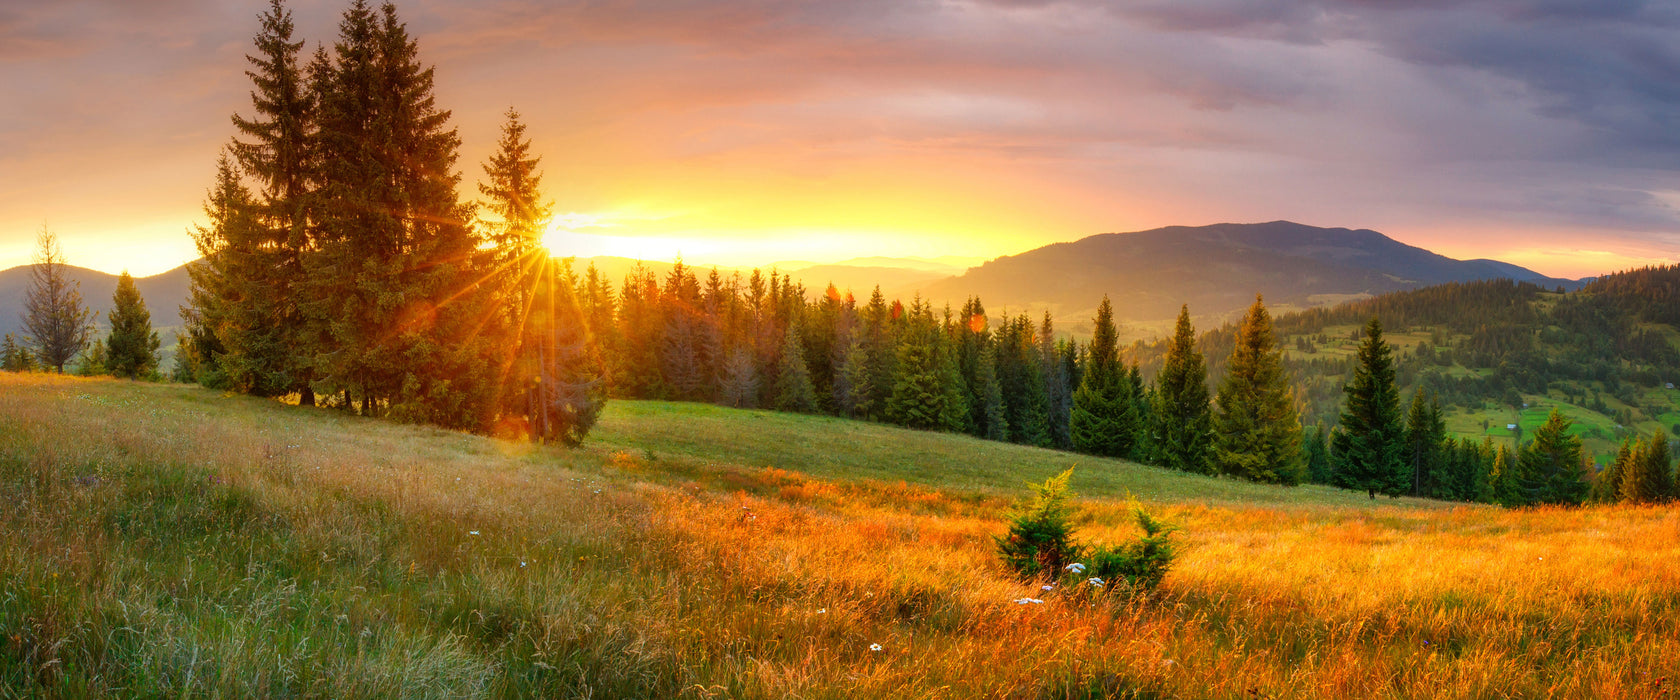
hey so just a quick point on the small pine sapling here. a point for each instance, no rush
(1040, 538)
(1141, 563)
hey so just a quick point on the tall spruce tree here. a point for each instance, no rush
(57, 323)
(1058, 387)
(1103, 415)
(394, 268)
(265, 325)
(990, 396)
(1181, 433)
(131, 350)
(1367, 447)
(1258, 432)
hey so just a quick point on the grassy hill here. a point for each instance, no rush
(172, 541)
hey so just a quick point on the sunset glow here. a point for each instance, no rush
(762, 132)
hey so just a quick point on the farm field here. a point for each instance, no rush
(165, 540)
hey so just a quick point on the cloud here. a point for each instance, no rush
(1049, 119)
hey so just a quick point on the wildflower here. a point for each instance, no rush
(1097, 582)
(1047, 589)
(521, 565)
(1028, 601)
(1076, 567)
(474, 533)
(874, 647)
(823, 611)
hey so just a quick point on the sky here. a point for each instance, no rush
(743, 132)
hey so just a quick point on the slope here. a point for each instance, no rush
(175, 541)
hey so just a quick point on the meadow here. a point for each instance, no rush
(170, 541)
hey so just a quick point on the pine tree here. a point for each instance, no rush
(1258, 433)
(991, 396)
(394, 270)
(1058, 387)
(53, 316)
(569, 388)
(1608, 487)
(521, 272)
(793, 380)
(928, 393)
(215, 293)
(1367, 446)
(266, 325)
(1550, 469)
(860, 398)
(740, 380)
(1422, 449)
(1316, 455)
(92, 362)
(12, 355)
(1026, 406)
(1182, 430)
(1103, 416)
(131, 350)
(1648, 477)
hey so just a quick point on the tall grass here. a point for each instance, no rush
(168, 541)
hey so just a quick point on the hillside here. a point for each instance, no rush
(175, 541)
(164, 294)
(1215, 269)
(1498, 353)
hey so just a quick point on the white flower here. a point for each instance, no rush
(1047, 589)
(1076, 567)
(474, 533)
(1096, 582)
(823, 611)
(1028, 601)
(521, 565)
(874, 647)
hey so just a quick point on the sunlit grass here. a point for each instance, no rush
(172, 541)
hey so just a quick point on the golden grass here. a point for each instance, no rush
(165, 540)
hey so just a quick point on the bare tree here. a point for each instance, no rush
(58, 324)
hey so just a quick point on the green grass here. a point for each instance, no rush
(168, 541)
(694, 438)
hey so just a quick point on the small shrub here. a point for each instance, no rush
(1040, 538)
(1040, 543)
(1141, 563)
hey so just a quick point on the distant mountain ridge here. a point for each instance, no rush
(1215, 269)
(164, 294)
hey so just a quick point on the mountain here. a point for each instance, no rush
(164, 294)
(1215, 269)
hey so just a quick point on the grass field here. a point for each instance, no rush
(171, 541)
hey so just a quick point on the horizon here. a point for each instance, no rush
(958, 265)
(745, 133)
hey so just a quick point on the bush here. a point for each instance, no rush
(1040, 538)
(1040, 544)
(1141, 563)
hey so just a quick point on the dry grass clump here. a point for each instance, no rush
(170, 541)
